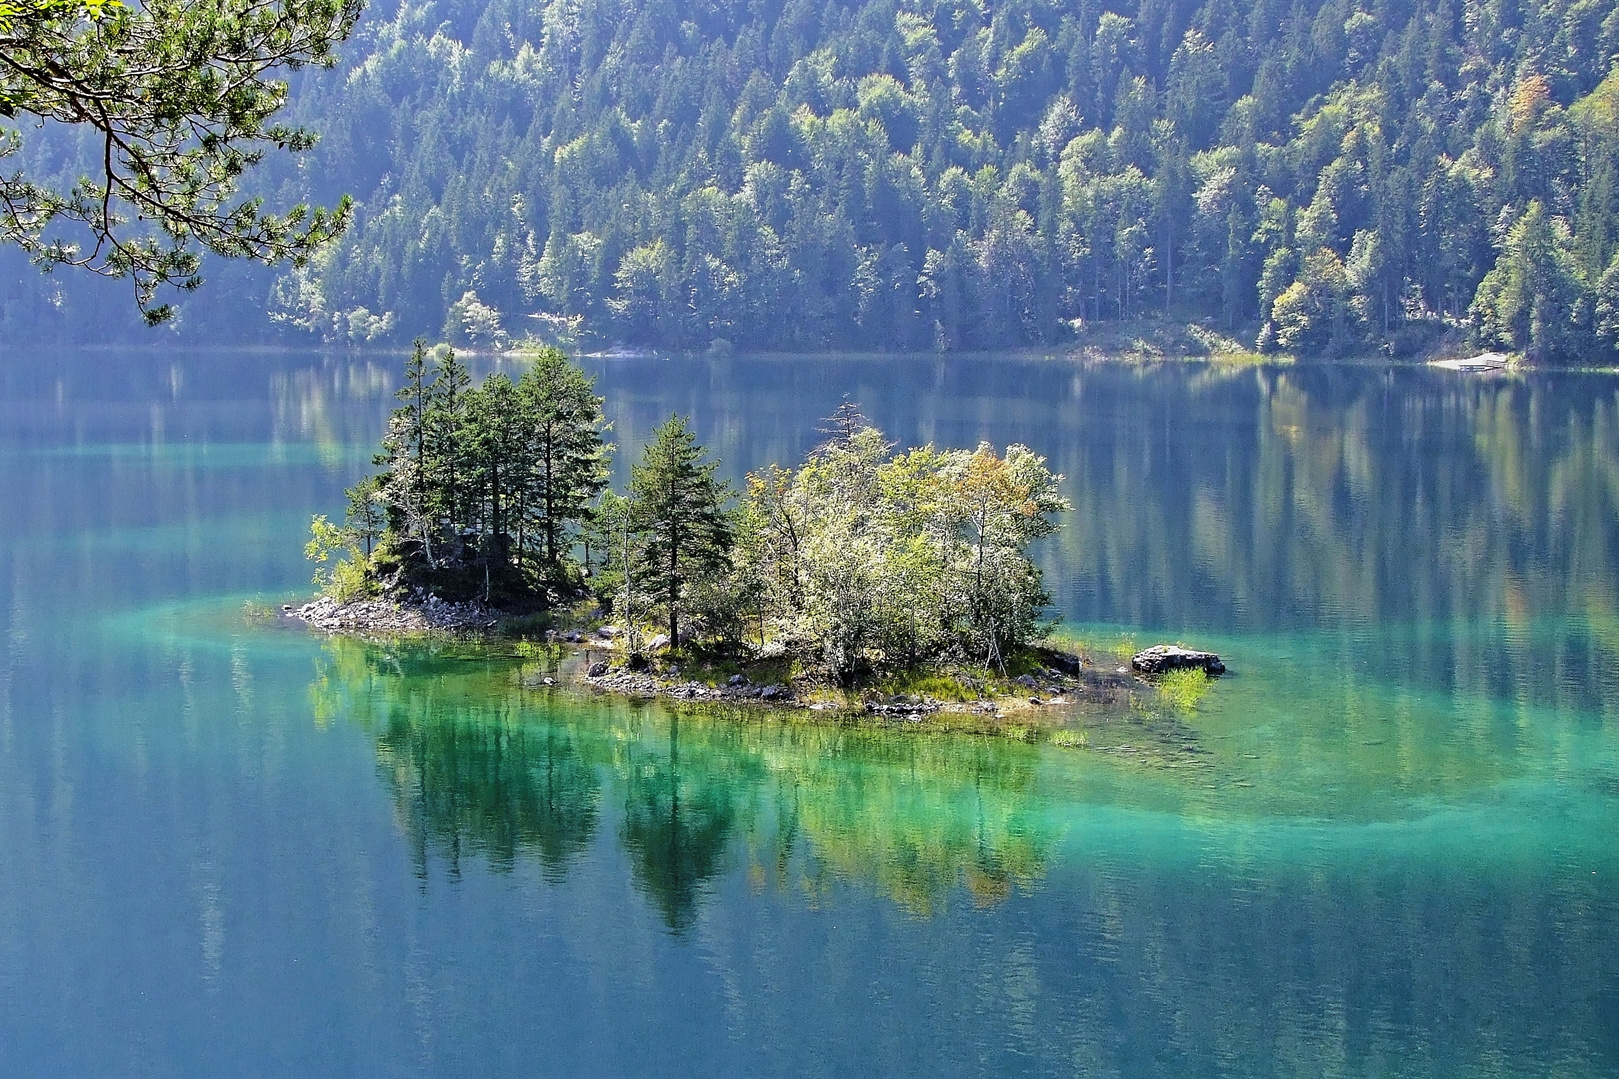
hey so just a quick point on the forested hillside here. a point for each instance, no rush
(911, 174)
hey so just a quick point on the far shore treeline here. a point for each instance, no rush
(1317, 177)
(859, 559)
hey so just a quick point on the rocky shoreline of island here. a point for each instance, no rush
(601, 659)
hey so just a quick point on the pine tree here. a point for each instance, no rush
(568, 456)
(443, 438)
(405, 480)
(497, 433)
(681, 507)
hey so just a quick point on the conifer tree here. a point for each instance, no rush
(470, 471)
(495, 439)
(404, 481)
(443, 439)
(569, 456)
(178, 101)
(681, 508)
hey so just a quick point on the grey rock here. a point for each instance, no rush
(1062, 662)
(736, 680)
(659, 642)
(597, 669)
(1163, 658)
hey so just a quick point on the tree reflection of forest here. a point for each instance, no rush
(1452, 532)
(483, 766)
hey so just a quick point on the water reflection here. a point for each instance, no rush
(676, 823)
(481, 762)
(1200, 941)
(1453, 532)
(1394, 854)
(471, 775)
(1456, 532)
(490, 783)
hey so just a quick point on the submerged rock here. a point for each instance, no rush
(1163, 658)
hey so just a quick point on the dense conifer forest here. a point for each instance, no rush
(1313, 176)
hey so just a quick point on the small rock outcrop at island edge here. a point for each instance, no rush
(390, 616)
(1163, 658)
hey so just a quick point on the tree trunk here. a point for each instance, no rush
(674, 594)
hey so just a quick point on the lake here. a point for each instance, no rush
(1383, 846)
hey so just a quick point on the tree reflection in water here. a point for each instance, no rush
(493, 785)
(479, 764)
(675, 828)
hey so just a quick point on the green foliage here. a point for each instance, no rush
(927, 683)
(906, 176)
(483, 490)
(570, 456)
(1535, 299)
(1607, 305)
(679, 509)
(341, 570)
(1315, 314)
(325, 539)
(255, 613)
(177, 99)
(873, 561)
(367, 514)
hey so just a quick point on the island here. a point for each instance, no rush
(895, 583)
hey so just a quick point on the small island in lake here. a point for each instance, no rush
(897, 583)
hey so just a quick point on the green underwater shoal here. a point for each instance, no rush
(1293, 763)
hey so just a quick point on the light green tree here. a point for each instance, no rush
(1607, 306)
(868, 560)
(1316, 313)
(1534, 299)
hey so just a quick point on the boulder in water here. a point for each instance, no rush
(1163, 658)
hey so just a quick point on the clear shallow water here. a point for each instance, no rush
(227, 848)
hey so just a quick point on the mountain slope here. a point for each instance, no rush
(1319, 176)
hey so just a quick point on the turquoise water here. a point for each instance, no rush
(1383, 846)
